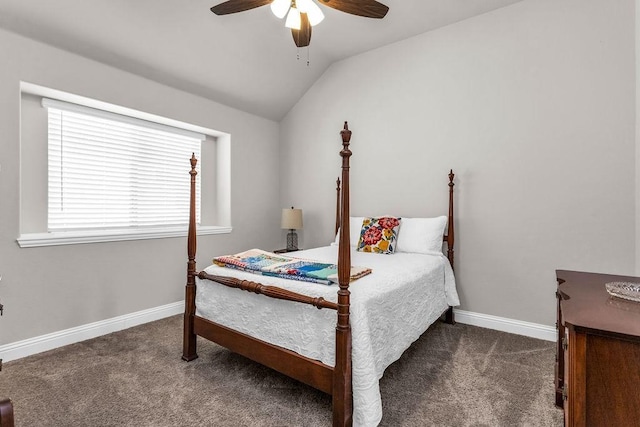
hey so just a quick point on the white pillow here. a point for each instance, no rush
(355, 225)
(421, 235)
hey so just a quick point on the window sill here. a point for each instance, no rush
(33, 240)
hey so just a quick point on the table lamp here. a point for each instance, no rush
(292, 221)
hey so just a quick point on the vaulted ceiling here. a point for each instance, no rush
(246, 60)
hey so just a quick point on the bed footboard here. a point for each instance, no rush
(334, 380)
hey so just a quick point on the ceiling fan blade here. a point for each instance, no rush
(302, 37)
(366, 8)
(234, 6)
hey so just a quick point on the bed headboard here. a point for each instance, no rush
(449, 237)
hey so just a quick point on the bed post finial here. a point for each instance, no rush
(189, 337)
(342, 388)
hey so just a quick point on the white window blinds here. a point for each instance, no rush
(108, 171)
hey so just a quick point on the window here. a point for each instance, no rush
(107, 171)
(91, 171)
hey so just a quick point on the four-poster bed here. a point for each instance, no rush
(304, 356)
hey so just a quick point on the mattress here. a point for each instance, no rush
(390, 309)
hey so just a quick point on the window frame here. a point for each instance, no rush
(39, 236)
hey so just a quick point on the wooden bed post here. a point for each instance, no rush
(449, 316)
(189, 336)
(6, 413)
(342, 389)
(337, 206)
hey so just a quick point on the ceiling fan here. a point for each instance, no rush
(303, 14)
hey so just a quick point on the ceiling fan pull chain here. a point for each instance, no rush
(298, 54)
(308, 57)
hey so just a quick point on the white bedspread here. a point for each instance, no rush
(390, 309)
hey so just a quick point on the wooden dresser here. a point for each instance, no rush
(598, 356)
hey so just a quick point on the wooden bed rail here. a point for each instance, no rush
(269, 291)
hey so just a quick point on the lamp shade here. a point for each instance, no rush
(280, 7)
(291, 219)
(312, 10)
(293, 19)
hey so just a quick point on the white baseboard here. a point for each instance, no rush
(53, 340)
(534, 330)
(47, 342)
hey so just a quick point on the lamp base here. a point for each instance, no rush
(292, 241)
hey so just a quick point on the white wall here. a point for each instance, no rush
(532, 106)
(49, 289)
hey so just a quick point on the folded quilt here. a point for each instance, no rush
(269, 264)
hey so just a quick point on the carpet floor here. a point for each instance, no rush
(456, 375)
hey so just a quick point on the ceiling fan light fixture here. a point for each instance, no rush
(293, 19)
(280, 7)
(312, 10)
(302, 15)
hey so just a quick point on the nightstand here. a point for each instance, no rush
(284, 251)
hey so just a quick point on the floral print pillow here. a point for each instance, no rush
(379, 235)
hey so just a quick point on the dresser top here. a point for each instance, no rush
(587, 304)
